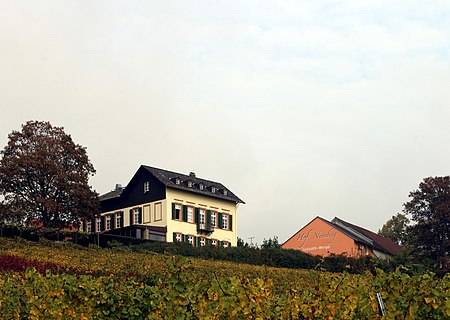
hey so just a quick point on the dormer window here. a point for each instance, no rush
(189, 184)
(201, 186)
(225, 192)
(177, 181)
(213, 189)
(146, 186)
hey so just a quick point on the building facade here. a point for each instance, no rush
(323, 238)
(167, 206)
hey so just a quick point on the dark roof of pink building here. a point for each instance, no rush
(379, 242)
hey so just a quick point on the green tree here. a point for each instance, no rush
(241, 242)
(396, 228)
(271, 243)
(44, 177)
(429, 208)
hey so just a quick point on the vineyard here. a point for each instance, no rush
(50, 280)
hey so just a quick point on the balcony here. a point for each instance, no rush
(205, 228)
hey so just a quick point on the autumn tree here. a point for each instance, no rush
(44, 177)
(429, 208)
(396, 228)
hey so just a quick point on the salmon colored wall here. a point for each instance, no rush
(320, 238)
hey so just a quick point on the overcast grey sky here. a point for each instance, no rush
(301, 108)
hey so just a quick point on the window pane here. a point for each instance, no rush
(213, 219)
(108, 223)
(201, 216)
(136, 216)
(225, 221)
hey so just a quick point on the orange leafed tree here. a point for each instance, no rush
(44, 177)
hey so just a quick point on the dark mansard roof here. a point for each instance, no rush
(189, 183)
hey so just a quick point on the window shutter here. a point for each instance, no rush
(173, 210)
(140, 215)
(131, 217)
(121, 219)
(197, 216)
(208, 242)
(230, 222)
(184, 237)
(220, 243)
(113, 221)
(196, 241)
(174, 237)
(102, 223)
(220, 220)
(208, 219)
(185, 213)
(92, 226)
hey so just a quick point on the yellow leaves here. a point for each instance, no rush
(128, 284)
(212, 295)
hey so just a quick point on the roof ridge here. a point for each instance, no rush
(182, 174)
(166, 176)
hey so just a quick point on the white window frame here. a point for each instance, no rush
(179, 237)
(202, 242)
(118, 220)
(89, 226)
(146, 186)
(225, 225)
(214, 242)
(136, 215)
(213, 219)
(202, 216)
(190, 239)
(108, 222)
(190, 214)
(98, 224)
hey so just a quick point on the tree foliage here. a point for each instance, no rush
(396, 228)
(271, 243)
(429, 208)
(44, 177)
(241, 242)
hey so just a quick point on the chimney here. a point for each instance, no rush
(192, 174)
(118, 187)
